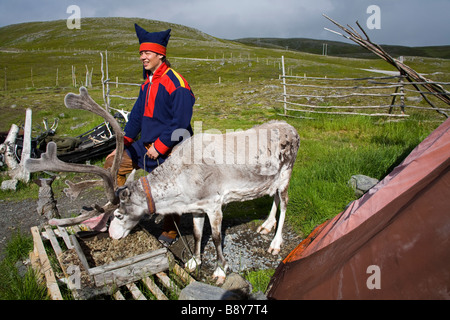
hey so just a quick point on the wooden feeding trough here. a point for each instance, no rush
(125, 270)
(88, 276)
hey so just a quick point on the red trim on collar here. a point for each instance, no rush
(148, 195)
(162, 70)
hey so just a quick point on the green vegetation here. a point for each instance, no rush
(18, 282)
(259, 279)
(332, 148)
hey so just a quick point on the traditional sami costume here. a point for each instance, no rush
(163, 111)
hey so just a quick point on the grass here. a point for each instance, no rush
(332, 149)
(330, 153)
(15, 285)
(259, 279)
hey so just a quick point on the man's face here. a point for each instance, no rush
(150, 60)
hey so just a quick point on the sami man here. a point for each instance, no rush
(165, 104)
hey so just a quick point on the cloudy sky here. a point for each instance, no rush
(401, 22)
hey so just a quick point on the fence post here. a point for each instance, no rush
(402, 97)
(107, 82)
(284, 84)
(103, 81)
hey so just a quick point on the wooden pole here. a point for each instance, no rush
(87, 76)
(107, 81)
(103, 79)
(74, 76)
(284, 85)
(24, 174)
(412, 75)
(402, 97)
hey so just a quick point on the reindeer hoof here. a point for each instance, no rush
(266, 227)
(220, 275)
(192, 264)
(262, 230)
(273, 251)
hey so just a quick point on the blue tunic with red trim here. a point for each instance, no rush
(162, 115)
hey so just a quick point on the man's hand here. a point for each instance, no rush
(152, 153)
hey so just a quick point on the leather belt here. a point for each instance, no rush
(148, 195)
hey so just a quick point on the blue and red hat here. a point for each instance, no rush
(152, 41)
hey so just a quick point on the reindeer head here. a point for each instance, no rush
(131, 209)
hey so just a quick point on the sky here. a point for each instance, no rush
(395, 22)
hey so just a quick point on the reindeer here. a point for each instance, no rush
(203, 173)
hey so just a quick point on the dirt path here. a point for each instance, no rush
(14, 217)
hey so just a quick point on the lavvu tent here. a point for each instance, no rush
(392, 243)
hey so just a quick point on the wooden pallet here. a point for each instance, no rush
(148, 279)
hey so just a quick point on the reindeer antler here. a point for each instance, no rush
(84, 102)
(50, 162)
(73, 190)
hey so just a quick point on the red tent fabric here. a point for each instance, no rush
(392, 243)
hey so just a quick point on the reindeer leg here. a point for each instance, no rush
(215, 218)
(198, 221)
(271, 221)
(275, 245)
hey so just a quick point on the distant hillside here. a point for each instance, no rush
(95, 34)
(341, 49)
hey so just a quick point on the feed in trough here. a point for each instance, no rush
(101, 249)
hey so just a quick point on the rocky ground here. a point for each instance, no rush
(244, 249)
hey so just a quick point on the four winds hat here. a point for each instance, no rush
(152, 41)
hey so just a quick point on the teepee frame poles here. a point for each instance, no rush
(412, 76)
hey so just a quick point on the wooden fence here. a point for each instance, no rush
(385, 96)
(107, 88)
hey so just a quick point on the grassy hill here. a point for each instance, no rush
(95, 33)
(341, 49)
(236, 86)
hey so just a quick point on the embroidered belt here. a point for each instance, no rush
(148, 195)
